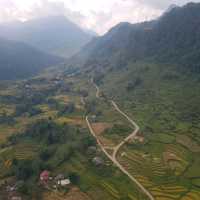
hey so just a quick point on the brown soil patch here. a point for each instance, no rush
(73, 194)
(76, 194)
(74, 121)
(107, 142)
(63, 98)
(167, 156)
(188, 143)
(99, 128)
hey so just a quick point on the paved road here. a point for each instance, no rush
(116, 149)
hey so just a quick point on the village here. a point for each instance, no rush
(52, 183)
(60, 183)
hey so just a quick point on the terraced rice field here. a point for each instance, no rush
(151, 172)
(137, 162)
(192, 195)
(110, 189)
(74, 121)
(26, 151)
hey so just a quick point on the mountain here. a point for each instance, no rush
(18, 60)
(55, 34)
(173, 38)
(152, 71)
(171, 7)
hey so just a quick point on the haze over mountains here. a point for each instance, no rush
(173, 38)
(29, 47)
(55, 35)
(126, 104)
(18, 60)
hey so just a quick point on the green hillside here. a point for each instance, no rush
(54, 34)
(18, 60)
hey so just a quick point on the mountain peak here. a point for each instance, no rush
(171, 7)
(52, 34)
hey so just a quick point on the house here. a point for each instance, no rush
(92, 150)
(64, 182)
(44, 176)
(60, 177)
(98, 161)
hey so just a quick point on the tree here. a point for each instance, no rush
(23, 170)
(74, 178)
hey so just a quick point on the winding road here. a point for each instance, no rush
(116, 149)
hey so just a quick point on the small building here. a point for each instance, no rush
(64, 182)
(92, 149)
(98, 161)
(10, 188)
(44, 176)
(60, 177)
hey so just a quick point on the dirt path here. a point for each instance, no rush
(116, 149)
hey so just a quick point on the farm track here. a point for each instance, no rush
(116, 149)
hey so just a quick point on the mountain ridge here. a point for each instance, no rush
(174, 38)
(19, 60)
(53, 34)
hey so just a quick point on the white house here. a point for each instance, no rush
(64, 182)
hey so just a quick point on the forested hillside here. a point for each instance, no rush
(18, 60)
(174, 38)
(55, 34)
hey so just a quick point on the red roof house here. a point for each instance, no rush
(44, 176)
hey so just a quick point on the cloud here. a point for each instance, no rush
(97, 15)
(164, 4)
(124, 10)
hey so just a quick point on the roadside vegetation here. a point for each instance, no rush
(164, 103)
(43, 128)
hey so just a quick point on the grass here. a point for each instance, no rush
(105, 183)
(166, 111)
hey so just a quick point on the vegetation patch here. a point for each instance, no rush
(164, 138)
(100, 127)
(188, 143)
(196, 182)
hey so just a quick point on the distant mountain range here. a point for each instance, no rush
(18, 60)
(173, 38)
(55, 35)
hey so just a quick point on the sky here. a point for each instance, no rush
(97, 15)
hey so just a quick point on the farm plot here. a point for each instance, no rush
(168, 192)
(192, 195)
(188, 143)
(138, 162)
(152, 173)
(6, 131)
(176, 158)
(26, 151)
(73, 194)
(99, 128)
(110, 189)
(80, 121)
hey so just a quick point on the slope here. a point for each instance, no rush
(174, 38)
(18, 60)
(55, 34)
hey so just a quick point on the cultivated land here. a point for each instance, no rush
(159, 161)
(56, 103)
(116, 149)
(164, 157)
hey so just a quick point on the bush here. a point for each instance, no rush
(74, 178)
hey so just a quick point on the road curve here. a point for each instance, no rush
(116, 149)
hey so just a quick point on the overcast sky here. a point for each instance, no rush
(98, 15)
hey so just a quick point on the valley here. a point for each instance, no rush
(104, 179)
(111, 117)
(146, 165)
